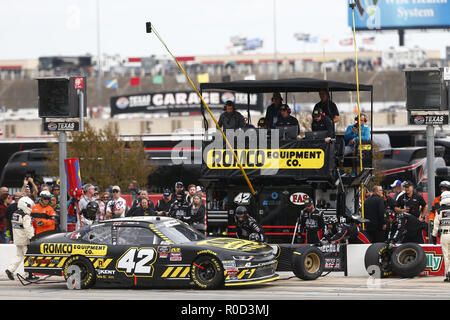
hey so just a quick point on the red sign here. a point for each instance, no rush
(135, 81)
(79, 82)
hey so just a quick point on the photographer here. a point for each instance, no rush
(138, 205)
(116, 207)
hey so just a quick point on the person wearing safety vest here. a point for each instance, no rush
(43, 214)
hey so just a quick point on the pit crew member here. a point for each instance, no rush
(311, 223)
(43, 214)
(23, 231)
(442, 226)
(247, 227)
(343, 232)
(180, 208)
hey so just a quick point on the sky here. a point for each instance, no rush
(31, 28)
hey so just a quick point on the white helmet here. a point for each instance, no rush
(45, 194)
(445, 198)
(25, 204)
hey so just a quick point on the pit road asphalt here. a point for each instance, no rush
(288, 287)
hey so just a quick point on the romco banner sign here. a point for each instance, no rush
(182, 101)
(400, 14)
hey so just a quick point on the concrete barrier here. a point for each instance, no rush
(7, 255)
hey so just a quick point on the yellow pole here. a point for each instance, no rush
(352, 5)
(209, 111)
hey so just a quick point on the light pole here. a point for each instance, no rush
(275, 41)
(99, 62)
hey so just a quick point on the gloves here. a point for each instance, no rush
(434, 239)
(324, 242)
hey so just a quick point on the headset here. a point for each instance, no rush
(362, 114)
(233, 105)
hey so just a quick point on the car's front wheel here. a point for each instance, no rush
(207, 272)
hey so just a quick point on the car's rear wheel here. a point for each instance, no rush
(207, 272)
(377, 260)
(79, 273)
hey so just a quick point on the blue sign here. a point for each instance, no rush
(395, 14)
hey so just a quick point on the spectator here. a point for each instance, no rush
(9, 212)
(88, 195)
(273, 111)
(56, 191)
(374, 208)
(4, 190)
(137, 205)
(163, 204)
(329, 107)
(31, 192)
(133, 189)
(142, 209)
(230, 118)
(117, 206)
(322, 123)
(198, 211)
(5, 199)
(192, 190)
(412, 203)
(102, 202)
(43, 214)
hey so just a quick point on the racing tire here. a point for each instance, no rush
(408, 260)
(378, 255)
(308, 262)
(207, 273)
(87, 273)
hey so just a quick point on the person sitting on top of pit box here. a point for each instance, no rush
(286, 119)
(231, 119)
(351, 138)
(322, 123)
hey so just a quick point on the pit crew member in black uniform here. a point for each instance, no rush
(163, 205)
(273, 111)
(286, 119)
(396, 226)
(322, 123)
(343, 232)
(329, 107)
(180, 208)
(90, 213)
(311, 223)
(414, 204)
(247, 227)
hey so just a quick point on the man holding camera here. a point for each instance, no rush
(116, 207)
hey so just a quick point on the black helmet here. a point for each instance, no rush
(91, 210)
(307, 201)
(240, 212)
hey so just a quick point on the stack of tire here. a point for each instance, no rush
(406, 261)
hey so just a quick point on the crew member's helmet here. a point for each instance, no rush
(241, 213)
(45, 195)
(445, 198)
(445, 184)
(307, 201)
(25, 204)
(91, 210)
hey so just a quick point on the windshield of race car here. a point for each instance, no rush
(179, 232)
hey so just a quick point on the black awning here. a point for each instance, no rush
(284, 85)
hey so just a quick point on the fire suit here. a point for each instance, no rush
(250, 230)
(311, 222)
(397, 228)
(180, 210)
(348, 232)
(442, 224)
(44, 218)
(23, 231)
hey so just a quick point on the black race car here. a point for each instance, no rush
(149, 251)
